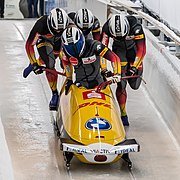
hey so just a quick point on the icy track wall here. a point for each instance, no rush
(98, 8)
(167, 10)
(162, 74)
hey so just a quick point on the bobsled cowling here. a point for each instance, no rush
(91, 127)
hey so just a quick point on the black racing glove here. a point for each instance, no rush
(106, 73)
(37, 69)
(67, 86)
(132, 71)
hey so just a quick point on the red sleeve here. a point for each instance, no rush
(141, 51)
(34, 35)
(96, 35)
(31, 41)
(105, 39)
(111, 56)
(67, 66)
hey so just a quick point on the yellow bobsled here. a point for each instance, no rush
(90, 127)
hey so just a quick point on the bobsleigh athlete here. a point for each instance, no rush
(46, 36)
(130, 46)
(87, 23)
(91, 129)
(82, 54)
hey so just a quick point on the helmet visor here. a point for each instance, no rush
(75, 49)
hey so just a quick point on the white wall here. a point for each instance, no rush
(11, 10)
(97, 8)
(162, 74)
(167, 10)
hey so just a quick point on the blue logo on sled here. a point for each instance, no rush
(98, 123)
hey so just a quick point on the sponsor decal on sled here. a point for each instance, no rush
(93, 94)
(98, 124)
(95, 103)
(95, 148)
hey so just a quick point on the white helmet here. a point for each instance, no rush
(84, 19)
(73, 41)
(57, 20)
(118, 25)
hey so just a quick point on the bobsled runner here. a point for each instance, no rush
(89, 125)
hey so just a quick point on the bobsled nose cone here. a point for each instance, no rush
(100, 158)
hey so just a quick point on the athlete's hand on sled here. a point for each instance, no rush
(37, 69)
(106, 73)
(68, 85)
(116, 78)
(132, 71)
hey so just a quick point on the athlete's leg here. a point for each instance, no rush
(2, 8)
(121, 93)
(45, 50)
(121, 96)
(30, 3)
(58, 52)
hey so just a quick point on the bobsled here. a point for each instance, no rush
(89, 125)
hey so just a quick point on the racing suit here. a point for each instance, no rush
(131, 50)
(87, 68)
(48, 47)
(91, 33)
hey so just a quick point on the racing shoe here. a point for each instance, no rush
(53, 105)
(125, 120)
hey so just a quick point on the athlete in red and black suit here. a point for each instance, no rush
(82, 55)
(129, 44)
(46, 36)
(87, 23)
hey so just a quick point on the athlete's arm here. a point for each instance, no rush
(31, 41)
(106, 53)
(67, 66)
(96, 31)
(105, 40)
(140, 41)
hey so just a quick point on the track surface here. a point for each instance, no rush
(33, 147)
